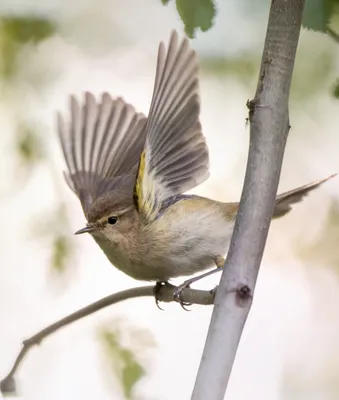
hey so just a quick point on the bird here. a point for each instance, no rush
(131, 174)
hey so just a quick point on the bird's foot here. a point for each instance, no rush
(177, 294)
(156, 290)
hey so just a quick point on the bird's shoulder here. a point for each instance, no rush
(185, 203)
(191, 204)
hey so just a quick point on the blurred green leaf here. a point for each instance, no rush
(335, 17)
(60, 253)
(53, 227)
(131, 373)
(318, 13)
(16, 32)
(165, 2)
(196, 14)
(8, 54)
(29, 146)
(62, 248)
(27, 29)
(123, 360)
(335, 89)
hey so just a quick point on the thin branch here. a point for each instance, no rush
(165, 294)
(269, 120)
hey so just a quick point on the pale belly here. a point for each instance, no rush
(175, 247)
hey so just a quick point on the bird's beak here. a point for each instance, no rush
(87, 229)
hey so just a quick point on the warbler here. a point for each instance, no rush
(130, 174)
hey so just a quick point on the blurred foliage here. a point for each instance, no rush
(335, 89)
(245, 67)
(29, 147)
(16, 32)
(324, 250)
(54, 227)
(27, 29)
(197, 14)
(122, 359)
(201, 14)
(311, 74)
(61, 249)
(318, 14)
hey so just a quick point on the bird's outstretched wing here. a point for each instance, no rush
(175, 157)
(102, 143)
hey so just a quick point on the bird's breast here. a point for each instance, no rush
(136, 260)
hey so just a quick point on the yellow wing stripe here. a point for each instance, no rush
(144, 191)
(137, 193)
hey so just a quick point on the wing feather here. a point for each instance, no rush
(175, 157)
(102, 144)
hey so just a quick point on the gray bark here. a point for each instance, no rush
(269, 127)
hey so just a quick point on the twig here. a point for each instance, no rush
(333, 34)
(269, 121)
(165, 294)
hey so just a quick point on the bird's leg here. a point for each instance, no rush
(157, 287)
(219, 262)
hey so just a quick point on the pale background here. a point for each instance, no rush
(289, 349)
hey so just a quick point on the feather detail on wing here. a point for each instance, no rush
(175, 157)
(102, 143)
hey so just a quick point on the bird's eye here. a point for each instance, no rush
(112, 220)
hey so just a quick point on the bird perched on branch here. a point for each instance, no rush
(130, 174)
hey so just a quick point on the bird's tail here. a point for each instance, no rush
(284, 201)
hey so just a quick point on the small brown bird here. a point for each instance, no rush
(130, 173)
